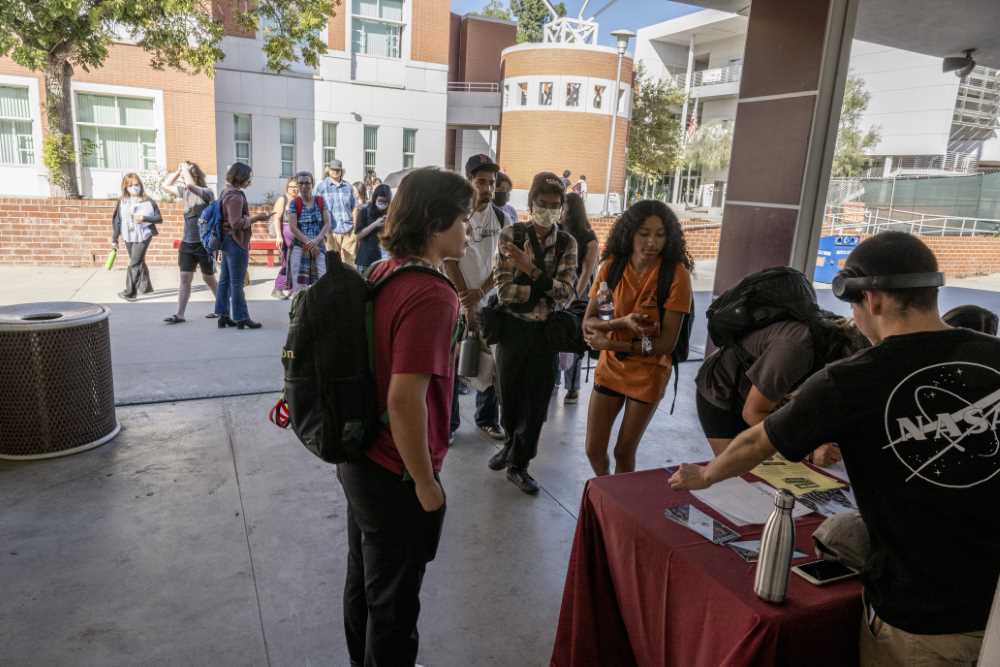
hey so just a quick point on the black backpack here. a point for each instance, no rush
(664, 281)
(329, 363)
(760, 299)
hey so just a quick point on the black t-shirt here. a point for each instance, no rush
(917, 418)
(581, 246)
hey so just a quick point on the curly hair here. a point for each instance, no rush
(620, 240)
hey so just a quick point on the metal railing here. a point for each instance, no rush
(952, 161)
(473, 87)
(717, 75)
(879, 220)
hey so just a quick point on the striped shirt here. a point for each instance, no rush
(339, 198)
(514, 287)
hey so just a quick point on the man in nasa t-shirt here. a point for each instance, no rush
(917, 418)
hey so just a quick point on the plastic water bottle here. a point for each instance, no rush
(605, 306)
(776, 545)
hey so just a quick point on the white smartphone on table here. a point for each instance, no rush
(823, 572)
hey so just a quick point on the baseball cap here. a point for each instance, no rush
(478, 163)
(336, 164)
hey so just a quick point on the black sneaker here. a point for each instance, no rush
(499, 460)
(493, 431)
(571, 397)
(522, 480)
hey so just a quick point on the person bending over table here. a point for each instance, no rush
(917, 418)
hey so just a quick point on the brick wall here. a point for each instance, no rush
(544, 60)
(480, 42)
(36, 230)
(430, 31)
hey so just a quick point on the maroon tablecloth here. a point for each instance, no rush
(643, 590)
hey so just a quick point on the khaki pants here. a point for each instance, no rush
(882, 645)
(345, 245)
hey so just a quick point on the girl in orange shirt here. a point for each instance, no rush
(628, 376)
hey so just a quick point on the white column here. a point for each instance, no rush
(684, 113)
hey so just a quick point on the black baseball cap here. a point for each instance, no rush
(478, 163)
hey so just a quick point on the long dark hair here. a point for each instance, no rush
(620, 240)
(575, 217)
(383, 190)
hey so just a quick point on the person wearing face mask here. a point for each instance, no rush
(636, 343)
(473, 276)
(134, 220)
(535, 274)
(370, 222)
(501, 197)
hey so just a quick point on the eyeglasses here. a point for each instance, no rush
(304, 183)
(551, 207)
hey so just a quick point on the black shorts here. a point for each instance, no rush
(191, 255)
(718, 423)
(601, 389)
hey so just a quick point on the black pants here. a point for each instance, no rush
(137, 279)
(526, 380)
(391, 541)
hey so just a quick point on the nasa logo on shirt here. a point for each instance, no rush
(941, 422)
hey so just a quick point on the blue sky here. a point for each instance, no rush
(630, 14)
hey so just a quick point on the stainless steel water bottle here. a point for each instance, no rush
(776, 545)
(468, 356)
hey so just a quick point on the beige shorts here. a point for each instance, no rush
(345, 245)
(882, 645)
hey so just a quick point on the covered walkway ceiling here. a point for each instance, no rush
(934, 27)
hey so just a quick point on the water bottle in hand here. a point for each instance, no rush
(605, 306)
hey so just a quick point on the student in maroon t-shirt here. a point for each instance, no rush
(395, 502)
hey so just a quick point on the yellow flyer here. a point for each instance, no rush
(798, 478)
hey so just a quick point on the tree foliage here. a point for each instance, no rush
(853, 142)
(496, 9)
(56, 36)
(654, 130)
(711, 146)
(532, 15)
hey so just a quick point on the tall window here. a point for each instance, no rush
(17, 143)
(409, 148)
(329, 143)
(572, 94)
(371, 147)
(599, 96)
(242, 133)
(545, 93)
(116, 132)
(377, 27)
(523, 88)
(506, 96)
(621, 100)
(287, 138)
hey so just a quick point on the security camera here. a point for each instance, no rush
(961, 66)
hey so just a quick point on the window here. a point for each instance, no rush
(621, 100)
(242, 133)
(523, 87)
(409, 148)
(377, 28)
(545, 93)
(287, 139)
(329, 143)
(506, 96)
(572, 94)
(17, 142)
(116, 132)
(371, 148)
(599, 96)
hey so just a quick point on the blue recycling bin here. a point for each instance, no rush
(833, 252)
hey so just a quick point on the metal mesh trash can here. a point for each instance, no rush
(56, 389)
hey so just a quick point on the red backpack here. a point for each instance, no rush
(297, 203)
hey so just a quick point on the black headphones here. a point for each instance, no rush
(850, 284)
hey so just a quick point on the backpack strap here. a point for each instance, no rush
(498, 212)
(297, 205)
(320, 202)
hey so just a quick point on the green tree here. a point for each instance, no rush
(495, 9)
(56, 36)
(711, 146)
(654, 131)
(532, 15)
(853, 142)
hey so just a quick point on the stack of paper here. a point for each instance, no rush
(795, 477)
(743, 503)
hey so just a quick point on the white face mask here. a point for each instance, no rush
(135, 190)
(381, 205)
(546, 217)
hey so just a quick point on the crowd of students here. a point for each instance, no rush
(924, 473)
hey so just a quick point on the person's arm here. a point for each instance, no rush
(293, 225)
(232, 212)
(116, 224)
(277, 213)
(743, 454)
(326, 227)
(407, 404)
(371, 228)
(169, 181)
(587, 270)
(205, 194)
(757, 406)
(563, 289)
(154, 217)
(505, 264)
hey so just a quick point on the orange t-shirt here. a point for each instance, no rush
(638, 377)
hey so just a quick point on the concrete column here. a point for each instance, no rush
(684, 114)
(791, 90)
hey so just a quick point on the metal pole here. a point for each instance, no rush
(684, 112)
(614, 129)
(493, 153)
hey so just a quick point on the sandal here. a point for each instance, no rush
(173, 319)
